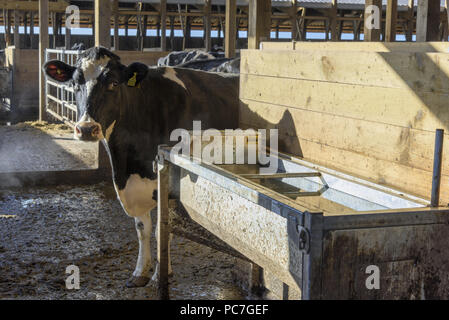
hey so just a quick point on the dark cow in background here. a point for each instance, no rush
(133, 109)
(201, 60)
(176, 58)
(224, 65)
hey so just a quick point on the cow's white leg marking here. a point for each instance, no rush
(170, 73)
(137, 201)
(143, 228)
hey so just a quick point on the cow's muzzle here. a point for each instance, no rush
(88, 131)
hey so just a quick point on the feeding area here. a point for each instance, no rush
(224, 150)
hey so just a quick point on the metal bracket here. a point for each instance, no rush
(159, 159)
(299, 235)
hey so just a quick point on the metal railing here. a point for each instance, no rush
(60, 98)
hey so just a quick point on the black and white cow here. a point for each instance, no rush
(176, 58)
(133, 109)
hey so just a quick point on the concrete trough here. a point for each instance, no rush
(357, 240)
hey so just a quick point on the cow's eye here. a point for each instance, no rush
(113, 85)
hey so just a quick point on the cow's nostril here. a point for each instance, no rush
(96, 130)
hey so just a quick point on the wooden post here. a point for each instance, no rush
(303, 26)
(25, 23)
(390, 32)
(433, 21)
(230, 27)
(162, 227)
(187, 32)
(293, 12)
(446, 8)
(207, 25)
(163, 25)
(32, 39)
(339, 29)
(4, 25)
(259, 22)
(410, 20)
(16, 29)
(139, 27)
(333, 21)
(172, 33)
(277, 29)
(144, 31)
(103, 23)
(116, 26)
(421, 20)
(427, 21)
(158, 32)
(43, 44)
(373, 20)
(55, 30)
(8, 28)
(68, 35)
(126, 25)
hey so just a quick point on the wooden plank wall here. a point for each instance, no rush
(370, 114)
(149, 58)
(358, 46)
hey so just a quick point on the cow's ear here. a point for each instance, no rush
(58, 70)
(135, 73)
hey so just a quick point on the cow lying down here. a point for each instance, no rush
(133, 109)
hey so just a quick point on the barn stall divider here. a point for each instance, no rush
(365, 122)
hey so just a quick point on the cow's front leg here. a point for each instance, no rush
(141, 274)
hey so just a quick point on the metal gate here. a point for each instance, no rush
(60, 98)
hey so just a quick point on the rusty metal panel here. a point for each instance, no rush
(413, 262)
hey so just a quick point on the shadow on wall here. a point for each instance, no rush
(289, 142)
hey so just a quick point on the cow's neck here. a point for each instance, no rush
(131, 152)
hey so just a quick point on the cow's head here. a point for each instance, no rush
(100, 82)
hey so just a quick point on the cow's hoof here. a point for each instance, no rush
(137, 282)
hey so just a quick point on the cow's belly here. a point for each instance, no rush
(137, 196)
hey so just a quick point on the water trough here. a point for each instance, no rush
(315, 229)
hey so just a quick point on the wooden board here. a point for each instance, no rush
(148, 57)
(358, 46)
(410, 147)
(399, 107)
(422, 72)
(369, 114)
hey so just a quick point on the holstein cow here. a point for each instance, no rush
(133, 109)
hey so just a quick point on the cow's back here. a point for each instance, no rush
(213, 98)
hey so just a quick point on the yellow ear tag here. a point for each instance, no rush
(132, 80)
(58, 71)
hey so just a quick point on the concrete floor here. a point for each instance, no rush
(45, 229)
(34, 146)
